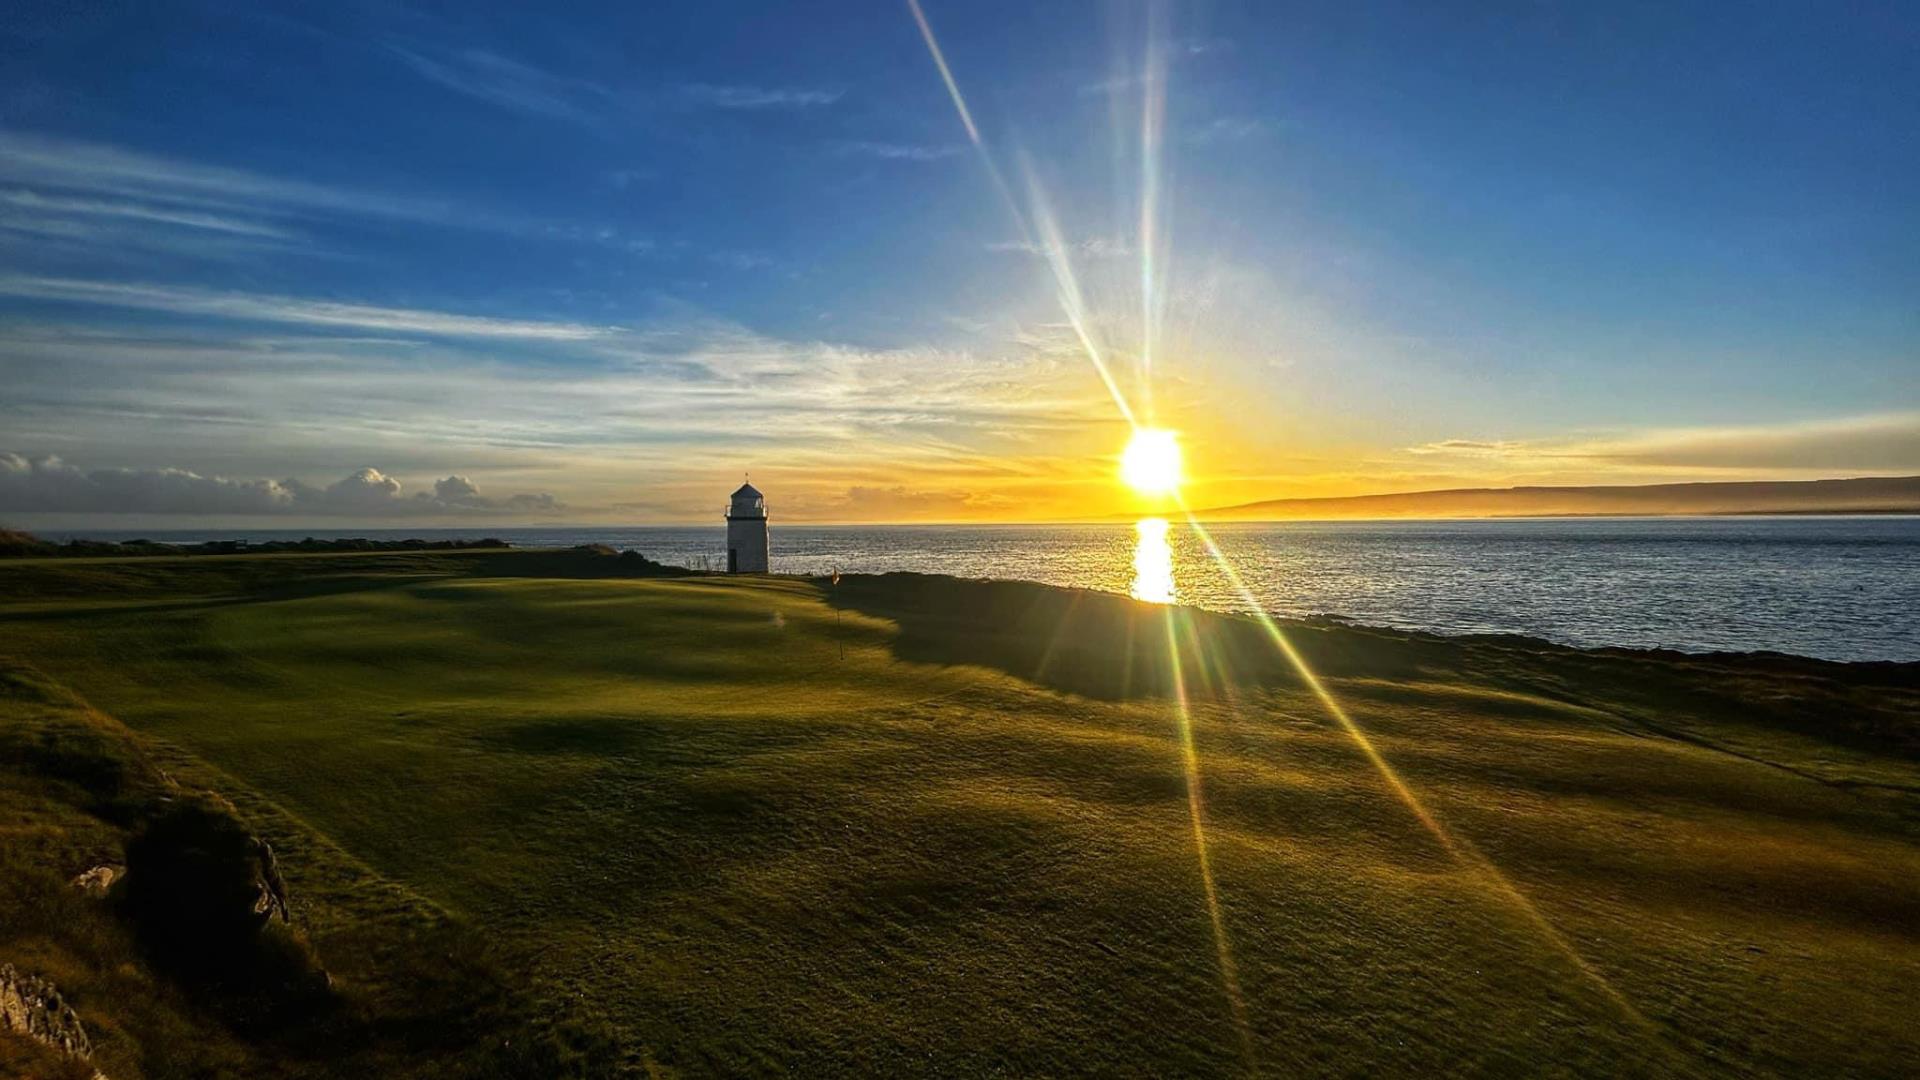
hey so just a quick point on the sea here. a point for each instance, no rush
(1838, 588)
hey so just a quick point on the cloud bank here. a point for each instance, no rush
(669, 413)
(50, 485)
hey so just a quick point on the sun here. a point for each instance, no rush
(1151, 463)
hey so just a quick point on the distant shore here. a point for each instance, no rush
(1215, 517)
(598, 560)
(1860, 495)
(1725, 582)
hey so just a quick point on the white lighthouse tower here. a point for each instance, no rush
(747, 544)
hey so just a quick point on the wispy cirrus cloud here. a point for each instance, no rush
(582, 427)
(57, 206)
(1229, 129)
(1470, 447)
(740, 260)
(1880, 442)
(258, 307)
(1177, 51)
(1113, 84)
(506, 82)
(158, 184)
(744, 96)
(1204, 46)
(891, 151)
(1092, 247)
(30, 237)
(897, 502)
(516, 85)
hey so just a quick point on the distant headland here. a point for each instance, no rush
(1864, 495)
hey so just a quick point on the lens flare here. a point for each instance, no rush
(1042, 232)
(1197, 820)
(1463, 851)
(946, 73)
(1153, 111)
(1151, 463)
(1151, 466)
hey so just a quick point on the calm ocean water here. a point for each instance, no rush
(1832, 587)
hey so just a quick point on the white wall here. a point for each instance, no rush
(747, 537)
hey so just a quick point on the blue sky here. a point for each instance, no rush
(310, 261)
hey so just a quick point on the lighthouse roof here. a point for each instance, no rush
(747, 491)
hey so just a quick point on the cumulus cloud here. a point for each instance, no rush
(51, 485)
(460, 493)
(456, 491)
(367, 489)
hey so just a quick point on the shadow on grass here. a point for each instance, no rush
(589, 561)
(1106, 646)
(596, 737)
(331, 586)
(267, 579)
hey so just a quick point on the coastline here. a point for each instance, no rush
(539, 761)
(289, 543)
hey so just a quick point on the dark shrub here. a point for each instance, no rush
(203, 893)
(15, 544)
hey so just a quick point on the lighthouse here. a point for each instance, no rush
(747, 543)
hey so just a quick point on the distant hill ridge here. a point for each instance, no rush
(1864, 495)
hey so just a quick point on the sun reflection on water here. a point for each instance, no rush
(1152, 562)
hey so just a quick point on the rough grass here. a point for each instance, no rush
(917, 826)
(166, 993)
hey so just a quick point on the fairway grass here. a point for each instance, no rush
(913, 826)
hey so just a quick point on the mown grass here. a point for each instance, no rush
(914, 826)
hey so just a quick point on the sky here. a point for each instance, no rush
(383, 263)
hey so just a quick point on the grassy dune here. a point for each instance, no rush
(912, 825)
